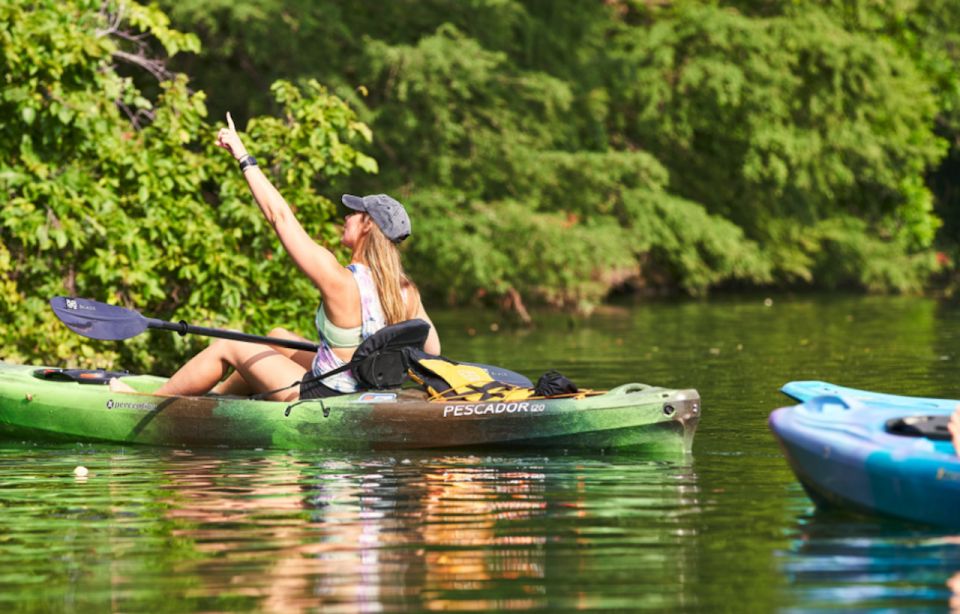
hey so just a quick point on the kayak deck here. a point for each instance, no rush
(806, 390)
(632, 417)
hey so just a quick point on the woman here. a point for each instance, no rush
(358, 300)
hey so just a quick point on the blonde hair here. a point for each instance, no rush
(383, 259)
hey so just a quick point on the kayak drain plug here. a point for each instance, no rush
(668, 410)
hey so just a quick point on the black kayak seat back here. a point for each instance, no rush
(381, 361)
(930, 427)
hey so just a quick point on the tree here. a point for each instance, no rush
(114, 195)
(791, 130)
(812, 138)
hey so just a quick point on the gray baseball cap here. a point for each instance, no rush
(386, 212)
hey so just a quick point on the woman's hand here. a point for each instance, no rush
(954, 427)
(230, 140)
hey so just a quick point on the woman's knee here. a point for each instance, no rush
(220, 347)
(279, 331)
(233, 351)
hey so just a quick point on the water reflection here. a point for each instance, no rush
(850, 562)
(438, 533)
(161, 530)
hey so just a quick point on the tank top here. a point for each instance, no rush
(371, 320)
(335, 336)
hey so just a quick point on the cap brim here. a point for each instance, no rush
(353, 202)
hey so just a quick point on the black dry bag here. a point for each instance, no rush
(554, 383)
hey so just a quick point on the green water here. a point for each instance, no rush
(215, 530)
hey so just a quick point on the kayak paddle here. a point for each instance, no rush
(97, 320)
(112, 323)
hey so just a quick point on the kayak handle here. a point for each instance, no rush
(819, 403)
(630, 389)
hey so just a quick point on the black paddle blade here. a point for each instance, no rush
(98, 320)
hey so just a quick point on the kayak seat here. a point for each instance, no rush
(82, 376)
(931, 427)
(380, 362)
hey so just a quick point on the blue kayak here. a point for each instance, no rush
(872, 452)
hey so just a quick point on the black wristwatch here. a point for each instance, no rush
(246, 162)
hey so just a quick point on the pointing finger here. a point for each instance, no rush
(230, 122)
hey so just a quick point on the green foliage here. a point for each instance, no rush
(768, 116)
(555, 152)
(114, 196)
(782, 119)
(561, 227)
(929, 33)
(495, 247)
(676, 239)
(452, 114)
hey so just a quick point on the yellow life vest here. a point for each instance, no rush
(464, 382)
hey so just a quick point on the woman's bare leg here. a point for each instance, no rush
(236, 385)
(261, 367)
(233, 385)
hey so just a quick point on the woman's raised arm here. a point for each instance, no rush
(317, 263)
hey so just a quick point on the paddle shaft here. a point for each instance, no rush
(183, 328)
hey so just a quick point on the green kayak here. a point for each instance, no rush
(634, 417)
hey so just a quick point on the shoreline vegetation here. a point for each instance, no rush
(553, 157)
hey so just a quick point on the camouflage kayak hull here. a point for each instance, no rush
(633, 417)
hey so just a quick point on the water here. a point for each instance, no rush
(216, 530)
